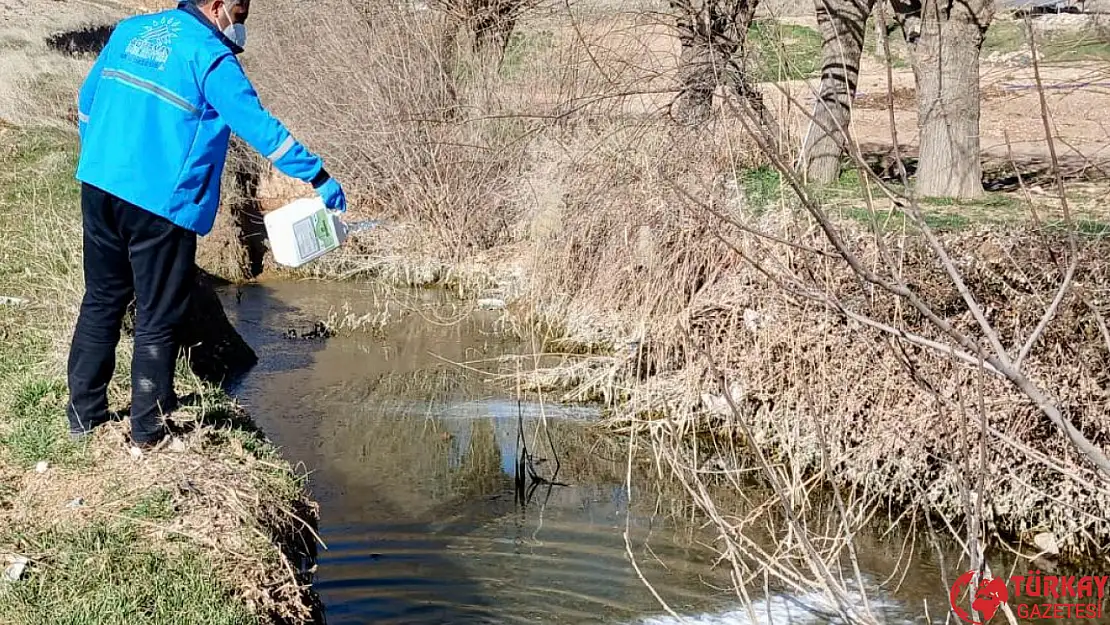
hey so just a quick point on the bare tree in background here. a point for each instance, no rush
(714, 34)
(475, 37)
(485, 25)
(842, 24)
(946, 68)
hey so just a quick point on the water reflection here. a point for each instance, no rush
(415, 467)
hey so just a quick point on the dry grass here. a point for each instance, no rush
(794, 362)
(557, 179)
(225, 496)
(564, 179)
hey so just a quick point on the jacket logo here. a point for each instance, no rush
(153, 46)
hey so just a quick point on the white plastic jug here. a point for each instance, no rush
(303, 230)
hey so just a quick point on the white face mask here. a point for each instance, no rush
(237, 33)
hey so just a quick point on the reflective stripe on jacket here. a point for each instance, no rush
(157, 110)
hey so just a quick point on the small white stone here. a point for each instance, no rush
(76, 503)
(491, 303)
(41, 466)
(1046, 542)
(136, 453)
(7, 300)
(752, 319)
(14, 571)
(177, 445)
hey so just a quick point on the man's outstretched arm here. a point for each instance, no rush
(230, 92)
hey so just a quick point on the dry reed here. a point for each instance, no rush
(620, 231)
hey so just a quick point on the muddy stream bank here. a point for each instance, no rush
(414, 459)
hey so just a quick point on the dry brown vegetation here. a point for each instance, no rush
(560, 180)
(795, 328)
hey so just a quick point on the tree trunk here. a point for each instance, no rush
(842, 24)
(946, 68)
(713, 35)
(743, 16)
(475, 38)
(697, 82)
(449, 66)
(482, 28)
(492, 32)
(697, 78)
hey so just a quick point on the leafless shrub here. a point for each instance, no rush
(376, 95)
(861, 351)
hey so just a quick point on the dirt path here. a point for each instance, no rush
(1011, 111)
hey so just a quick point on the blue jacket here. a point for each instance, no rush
(157, 110)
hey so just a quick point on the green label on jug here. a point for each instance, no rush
(324, 234)
(314, 235)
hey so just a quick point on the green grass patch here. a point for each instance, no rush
(36, 426)
(112, 575)
(40, 262)
(989, 200)
(27, 149)
(780, 51)
(762, 187)
(894, 220)
(1085, 228)
(522, 50)
(39, 213)
(1076, 46)
(20, 351)
(156, 505)
(1095, 229)
(1005, 36)
(962, 216)
(849, 179)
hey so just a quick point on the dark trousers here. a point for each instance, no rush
(129, 253)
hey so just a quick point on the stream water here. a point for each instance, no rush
(414, 458)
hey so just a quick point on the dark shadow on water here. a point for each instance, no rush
(403, 572)
(264, 321)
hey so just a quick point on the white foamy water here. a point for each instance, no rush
(785, 610)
